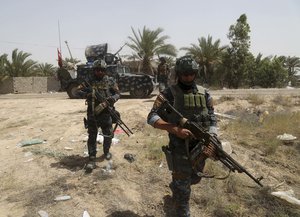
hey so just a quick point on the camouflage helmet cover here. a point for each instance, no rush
(186, 64)
(99, 64)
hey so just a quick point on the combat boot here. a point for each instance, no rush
(91, 164)
(108, 156)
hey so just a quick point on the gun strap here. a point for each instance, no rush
(225, 177)
(93, 101)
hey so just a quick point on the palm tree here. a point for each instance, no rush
(207, 54)
(45, 69)
(292, 64)
(148, 43)
(19, 66)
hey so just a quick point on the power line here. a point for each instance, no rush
(34, 44)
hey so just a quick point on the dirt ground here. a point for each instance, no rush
(31, 177)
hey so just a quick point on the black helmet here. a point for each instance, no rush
(99, 64)
(186, 64)
(162, 59)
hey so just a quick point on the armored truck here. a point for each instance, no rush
(138, 85)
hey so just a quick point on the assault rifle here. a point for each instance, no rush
(209, 140)
(114, 114)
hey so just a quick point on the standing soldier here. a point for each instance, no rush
(194, 104)
(163, 73)
(97, 112)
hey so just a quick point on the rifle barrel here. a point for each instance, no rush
(208, 138)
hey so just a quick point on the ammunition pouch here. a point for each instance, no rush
(169, 157)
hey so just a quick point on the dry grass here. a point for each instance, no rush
(255, 99)
(8, 181)
(238, 195)
(223, 99)
(283, 101)
(251, 132)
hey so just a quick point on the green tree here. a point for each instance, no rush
(3, 62)
(238, 52)
(269, 72)
(208, 55)
(44, 69)
(20, 65)
(148, 43)
(292, 64)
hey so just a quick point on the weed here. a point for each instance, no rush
(224, 99)
(282, 100)
(255, 99)
(252, 132)
(154, 151)
(47, 152)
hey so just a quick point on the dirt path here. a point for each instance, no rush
(32, 177)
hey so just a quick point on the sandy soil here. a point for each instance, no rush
(32, 177)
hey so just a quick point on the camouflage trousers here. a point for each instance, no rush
(181, 189)
(104, 121)
(183, 176)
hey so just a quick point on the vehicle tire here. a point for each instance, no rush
(149, 91)
(139, 93)
(73, 92)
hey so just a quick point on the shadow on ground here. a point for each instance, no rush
(126, 213)
(74, 162)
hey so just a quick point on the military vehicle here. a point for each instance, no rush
(138, 85)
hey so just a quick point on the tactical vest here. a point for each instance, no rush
(102, 86)
(191, 105)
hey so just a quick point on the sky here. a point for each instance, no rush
(39, 27)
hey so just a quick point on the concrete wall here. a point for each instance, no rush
(29, 85)
(52, 84)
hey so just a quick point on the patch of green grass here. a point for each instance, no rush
(270, 146)
(48, 152)
(154, 141)
(154, 151)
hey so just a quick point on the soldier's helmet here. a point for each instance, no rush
(162, 59)
(186, 65)
(99, 64)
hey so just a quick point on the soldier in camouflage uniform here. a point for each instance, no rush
(97, 113)
(163, 73)
(195, 104)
